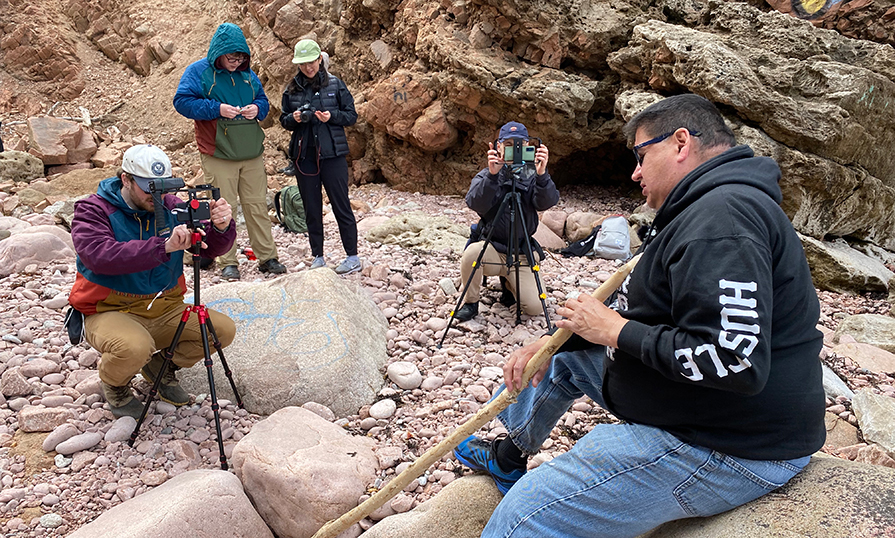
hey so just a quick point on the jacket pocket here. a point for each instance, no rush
(238, 139)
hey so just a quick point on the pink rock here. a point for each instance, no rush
(295, 460)
(43, 419)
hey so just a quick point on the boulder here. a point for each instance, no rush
(876, 418)
(867, 356)
(460, 510)
(417, 230)
(830, 498)
(872, 329)
(13, 224)
(837, 267)
(303, 337)
(301, 471)
(839, 433)
(198, 504)
(61, 233)
(548, 239)
(56, 141)
(20, 166)
(580, 224)
(555, 219)
(22, 250)
(81, 182)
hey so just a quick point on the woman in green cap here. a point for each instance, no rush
(316, 108)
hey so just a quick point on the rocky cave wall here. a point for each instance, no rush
(434, 79)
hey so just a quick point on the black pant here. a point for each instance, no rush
(332, 174)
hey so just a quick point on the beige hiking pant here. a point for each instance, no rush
(246, 180)
(127, 340)
(495, 264)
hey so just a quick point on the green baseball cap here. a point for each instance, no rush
(306, 50)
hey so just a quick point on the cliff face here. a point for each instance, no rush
(435, 79)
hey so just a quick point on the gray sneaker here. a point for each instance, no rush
(169, 389)
(319, 261)
(350, 265)
(121, 401)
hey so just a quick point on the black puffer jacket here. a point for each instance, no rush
(333, 97)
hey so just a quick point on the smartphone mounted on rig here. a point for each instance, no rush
(190, 212)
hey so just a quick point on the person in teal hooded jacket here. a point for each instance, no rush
(225, 99)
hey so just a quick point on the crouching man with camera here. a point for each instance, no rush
(130, 282)
(515, 165)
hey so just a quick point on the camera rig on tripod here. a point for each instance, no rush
(190, 212)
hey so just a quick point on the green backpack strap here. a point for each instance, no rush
(276, 204)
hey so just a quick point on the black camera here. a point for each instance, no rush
(191, 212)
(306, 112)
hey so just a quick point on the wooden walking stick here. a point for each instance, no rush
(482, 417)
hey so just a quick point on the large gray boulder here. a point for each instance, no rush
(872, 329)
(195, 504)
(876, 417)
(830, 498)
(303, 337)
(301, 471)
(837, 267)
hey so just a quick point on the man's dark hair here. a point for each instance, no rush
(692, 112)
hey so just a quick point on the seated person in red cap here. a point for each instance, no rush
(130, 283)
(487, 191)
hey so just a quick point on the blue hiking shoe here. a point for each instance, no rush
(478, 455)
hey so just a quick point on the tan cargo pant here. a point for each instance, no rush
(246, 180)
(495, 264)
(127, 340)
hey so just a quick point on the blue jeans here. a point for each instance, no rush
(619, 480)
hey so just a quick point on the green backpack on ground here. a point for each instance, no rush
(290, 211)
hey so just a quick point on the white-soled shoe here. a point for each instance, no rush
(350, 265)
(318, 262)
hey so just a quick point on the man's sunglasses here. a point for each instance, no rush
(656, 140)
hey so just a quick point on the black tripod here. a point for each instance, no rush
(513, 201)
(168, 354)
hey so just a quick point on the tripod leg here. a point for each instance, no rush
(535, 270)
(203, 329)
(220, 351)
(168, 355)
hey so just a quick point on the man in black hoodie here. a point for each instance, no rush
(710, 356)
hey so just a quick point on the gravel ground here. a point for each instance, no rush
(45, 494)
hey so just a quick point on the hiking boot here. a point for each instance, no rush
(289, 170)
(350, 265)
(478, 455)
(507, 298)
(121, 401)
(467, 312)
(205, 263)
(319, 261)
(272, 266)
(169, 389)
(231, 272)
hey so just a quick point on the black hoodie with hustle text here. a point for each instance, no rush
(721, 349)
